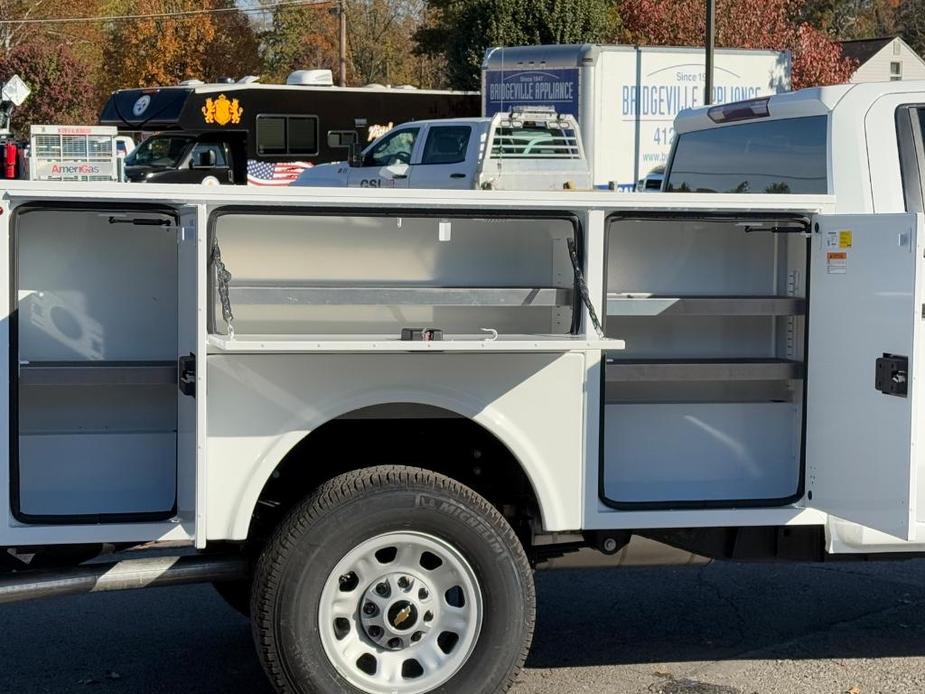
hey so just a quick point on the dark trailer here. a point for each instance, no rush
(262, 134)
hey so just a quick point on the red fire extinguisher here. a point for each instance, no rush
(9, 159)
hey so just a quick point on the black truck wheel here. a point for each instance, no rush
(393, 580)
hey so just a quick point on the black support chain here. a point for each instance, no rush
(222, 280)
(582, 287)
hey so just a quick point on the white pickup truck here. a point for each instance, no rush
(368, 415)
(861, 143)
(529, 149)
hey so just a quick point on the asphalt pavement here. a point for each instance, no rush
(725, 628)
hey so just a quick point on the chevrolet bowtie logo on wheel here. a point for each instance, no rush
(401, 617)
(222, 111)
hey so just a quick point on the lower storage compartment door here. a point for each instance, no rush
(685, 455)
(78, 474)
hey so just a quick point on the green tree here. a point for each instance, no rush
(463, 29)
(299, 37)
(911, 22)
(852, 19)
(379, 42)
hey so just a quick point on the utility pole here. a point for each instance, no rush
(710, 43)
(342, 21)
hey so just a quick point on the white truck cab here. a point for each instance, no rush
(861, 143)
(529, 149)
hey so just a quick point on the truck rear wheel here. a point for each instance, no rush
(393, 580)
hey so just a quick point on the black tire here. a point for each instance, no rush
(355, 507)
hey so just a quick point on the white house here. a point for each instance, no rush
(884, 59)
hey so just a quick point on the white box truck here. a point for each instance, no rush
(369, 414)
(625, 97)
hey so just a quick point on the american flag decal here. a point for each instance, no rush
(265, 173)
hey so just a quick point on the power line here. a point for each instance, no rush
(166, 15)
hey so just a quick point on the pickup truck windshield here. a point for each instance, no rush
(788, 155)
(394, 148)
(160, 150)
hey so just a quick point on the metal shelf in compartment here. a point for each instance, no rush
(648, 370)
(98, 373)
(634, 305)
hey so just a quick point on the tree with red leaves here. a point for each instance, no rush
(768, 24)
(61, 91)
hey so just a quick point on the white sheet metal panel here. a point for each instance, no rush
(260, 406)
(94, 290)
(483, 201)
(81, 473)
(700, 451)
(865, 300)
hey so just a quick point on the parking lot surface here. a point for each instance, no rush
(725, 628)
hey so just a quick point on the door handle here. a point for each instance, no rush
(457, 175)
(892, 375)
(394, 176)
(186, 374)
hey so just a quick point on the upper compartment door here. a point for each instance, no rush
(866, 304)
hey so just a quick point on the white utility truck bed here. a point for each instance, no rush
(373, 412)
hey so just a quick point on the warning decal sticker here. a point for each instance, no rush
(836, 262)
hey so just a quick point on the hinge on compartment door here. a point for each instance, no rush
(186, 374)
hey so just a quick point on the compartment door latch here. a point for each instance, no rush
(186, 374)
(893, 375)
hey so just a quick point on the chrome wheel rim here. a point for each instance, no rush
(400, 613)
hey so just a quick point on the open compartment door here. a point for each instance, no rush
(863, 394)
(191, 309)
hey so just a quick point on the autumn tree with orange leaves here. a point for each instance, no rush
(159, 51)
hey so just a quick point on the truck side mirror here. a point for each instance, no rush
(345, 139)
